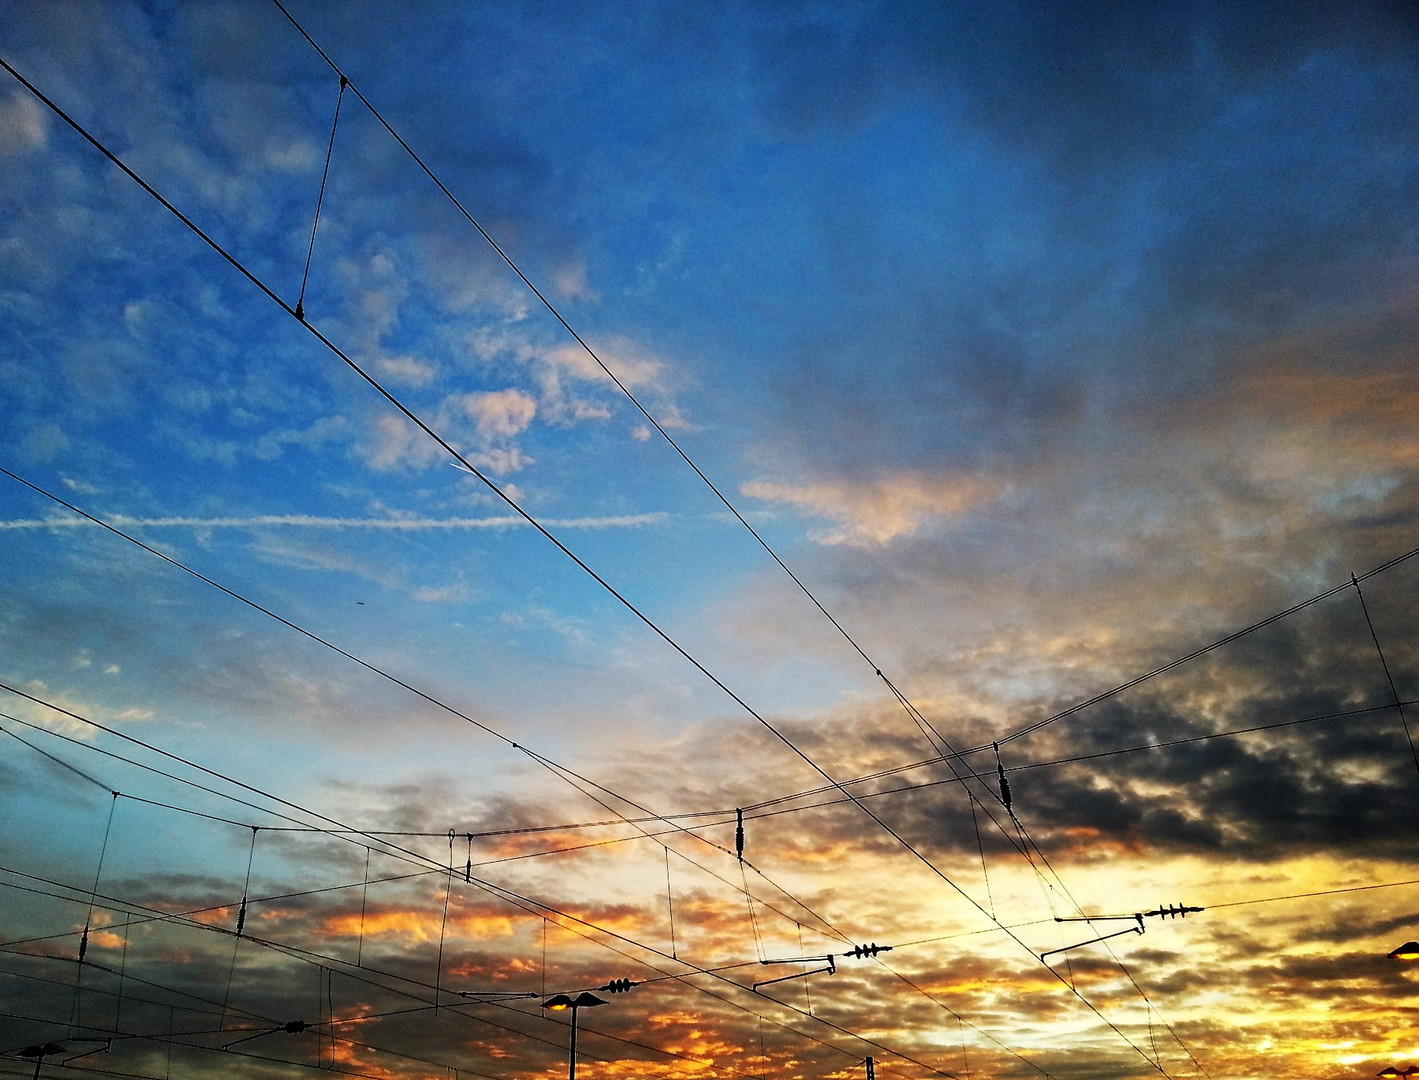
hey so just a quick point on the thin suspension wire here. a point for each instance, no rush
(753, 918)
(443, 925)
(89, 917)
(240, 926)
(1394, 690)
(670, 903)
(364, 900)
(58, 761)
(320, 199)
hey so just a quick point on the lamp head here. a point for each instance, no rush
(565, 1001)
(1408, 951)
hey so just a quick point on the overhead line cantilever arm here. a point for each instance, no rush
(1093, 941)
(831, 969)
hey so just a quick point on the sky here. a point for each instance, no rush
(975, 442)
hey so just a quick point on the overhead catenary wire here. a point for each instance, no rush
(574, 778)
(303, 954)
(900, 945)
(681, 976)
(518, 901)
(104, 786)
(348, 833)
(765, 808)
(791, 745)
(571, 776)
(1196, 738)
(1236, 635)
(670, 440)
(911, 709)
(897, 693)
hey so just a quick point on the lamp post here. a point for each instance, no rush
(584, 1000)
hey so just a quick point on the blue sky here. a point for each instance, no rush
(1045, 345)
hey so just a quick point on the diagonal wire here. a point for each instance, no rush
(1394, 690)
(512, 504)
(320, 199)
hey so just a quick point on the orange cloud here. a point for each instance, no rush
(877, 511)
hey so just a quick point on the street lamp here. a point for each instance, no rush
(1408, 951)
(584, 1000)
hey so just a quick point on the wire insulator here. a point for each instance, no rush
(1004, 783)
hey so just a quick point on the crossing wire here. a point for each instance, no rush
(717, 973)
(680, 451)
(510, 896)
(346, 833)
(896, 692)
(499, 493)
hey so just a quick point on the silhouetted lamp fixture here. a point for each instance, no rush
(559, 1002)
(40, 1051)
(1408, 951)
(1389, 1072)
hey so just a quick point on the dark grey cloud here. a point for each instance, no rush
(1320, 783)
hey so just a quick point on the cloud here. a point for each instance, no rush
(875, 512)
(308, 521)
(500, 414)
(442, 594)
(40, 713)
(405, 370)
(24, 123)
(631, 364)
(43, 442)
(321, 432)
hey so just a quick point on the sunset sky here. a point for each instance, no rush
(698, 408)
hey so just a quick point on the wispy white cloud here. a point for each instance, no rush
(310, 521)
